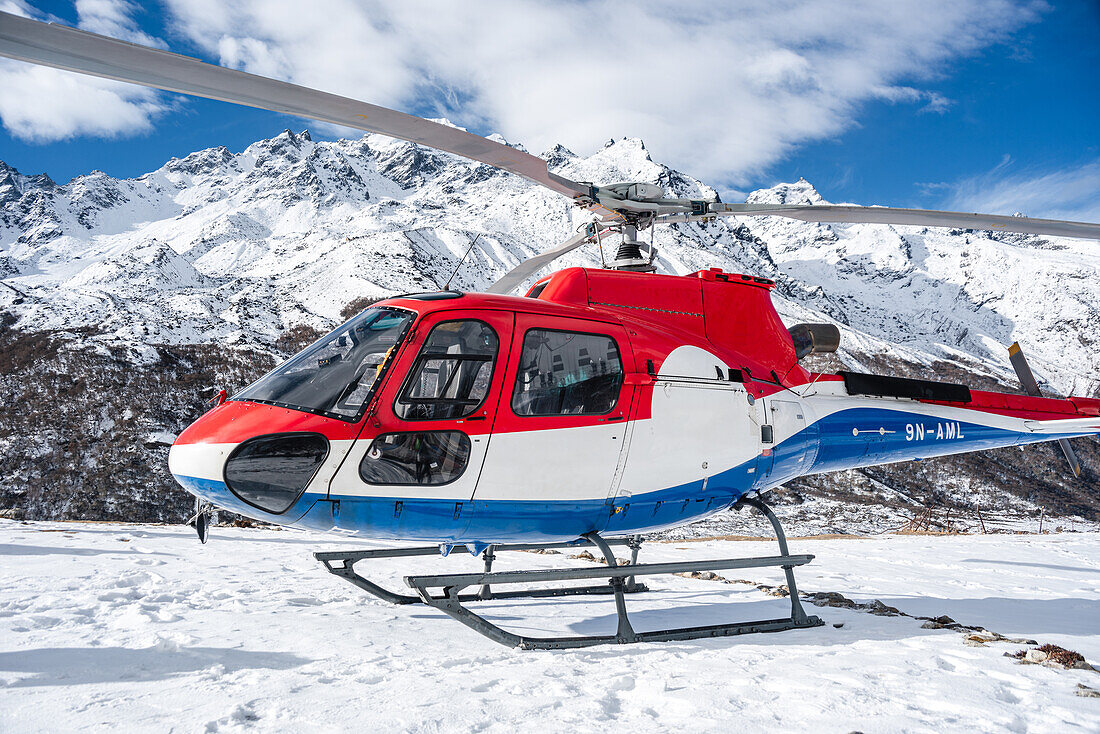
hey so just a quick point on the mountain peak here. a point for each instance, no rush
(626, 142)
(10, 176)
(799, 192)
(557, 156)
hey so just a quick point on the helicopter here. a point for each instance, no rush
(601, 404)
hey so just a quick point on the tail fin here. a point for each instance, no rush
(1027, 379)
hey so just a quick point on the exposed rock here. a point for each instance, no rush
(219, 253)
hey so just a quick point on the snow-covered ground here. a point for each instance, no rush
(139, 628)
(823, 516)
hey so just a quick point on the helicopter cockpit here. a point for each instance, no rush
(336, 375)
(401, 401)
(450, 377)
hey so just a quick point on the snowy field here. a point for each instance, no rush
(139, 628)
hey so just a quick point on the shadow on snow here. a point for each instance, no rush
(66, 666)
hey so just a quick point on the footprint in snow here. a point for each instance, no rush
(626, 683)
(136, 578)
(243, 714)
(454, 662)
(165, 598)
(42, 621)
(304, 601)
(156, 614)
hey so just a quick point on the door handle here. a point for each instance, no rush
(476, 418)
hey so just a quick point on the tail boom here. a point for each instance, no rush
(854, 432)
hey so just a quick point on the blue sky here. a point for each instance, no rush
(974, 104)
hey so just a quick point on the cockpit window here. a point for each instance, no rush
(336, 375)
(450, 378)
(564, 373)
(428, 457)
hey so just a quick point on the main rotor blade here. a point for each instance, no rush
(532, 265)
(917, 217)
(71, 49)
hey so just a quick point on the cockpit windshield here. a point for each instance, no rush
(335, 376)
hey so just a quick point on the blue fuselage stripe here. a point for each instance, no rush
(843, 440)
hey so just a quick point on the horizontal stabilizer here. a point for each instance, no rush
(1065, 425)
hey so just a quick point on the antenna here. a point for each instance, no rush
(447, 287)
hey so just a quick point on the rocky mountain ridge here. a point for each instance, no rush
(226, 251)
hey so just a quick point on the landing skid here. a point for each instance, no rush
(450, 600)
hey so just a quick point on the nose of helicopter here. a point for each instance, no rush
(258, 460)
(198, 456)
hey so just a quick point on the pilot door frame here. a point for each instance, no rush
(541, 446)
(381, 417)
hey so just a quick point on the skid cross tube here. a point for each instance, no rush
(342, 564)
(462, 580)
(450, 600)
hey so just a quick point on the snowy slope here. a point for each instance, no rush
(233, 248)
(218, 253)
(139, 628)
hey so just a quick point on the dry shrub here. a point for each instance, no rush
(359, 304)
(297, 338)
(1062, 656)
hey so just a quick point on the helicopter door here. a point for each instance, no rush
(562, 415)
(787, 419)
(427, 437)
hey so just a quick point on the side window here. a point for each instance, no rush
(451, 375)
(427, 457)
(563, 373)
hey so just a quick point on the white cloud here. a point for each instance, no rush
(1070, 193)
(113, 18)
(719, 90)
(40, 105)
(933, 101)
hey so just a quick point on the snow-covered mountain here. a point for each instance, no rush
(233, 249)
